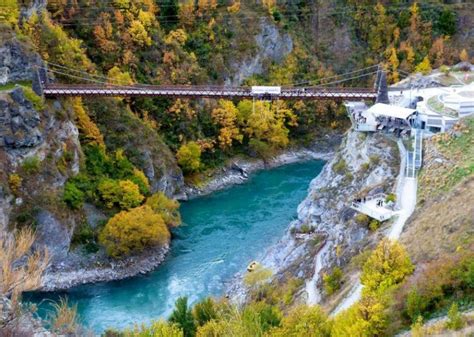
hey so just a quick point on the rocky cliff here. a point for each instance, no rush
(40, 149)
(326, 234)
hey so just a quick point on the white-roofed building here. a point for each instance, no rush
(390, 111)
(382, 116)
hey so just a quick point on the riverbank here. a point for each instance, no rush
(326, 234)
(238, 170)
(78, 268)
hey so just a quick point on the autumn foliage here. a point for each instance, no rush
(133, 231)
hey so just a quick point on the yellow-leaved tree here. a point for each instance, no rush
(267, 123)
(89, 130)
(226, 117)
(424, 66)
(132, 231)
(387, 266)
(166, 207)
(118, 77)
(189, 157)
(303, 321)
(123, 193)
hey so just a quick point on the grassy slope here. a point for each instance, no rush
(444, 220)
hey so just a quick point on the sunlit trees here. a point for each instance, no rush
(303, 321)
(267, 123)
(424, 66)
(123, 193)
(118, 77)
(166, 207)
(189, 157)
(225, 115)
(393, 64)
(388, 265)
(139, 34)
(90, 133)
(132, 231)
(9, 11)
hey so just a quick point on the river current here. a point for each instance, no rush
(220, 235)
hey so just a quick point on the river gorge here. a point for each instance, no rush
(221, 234)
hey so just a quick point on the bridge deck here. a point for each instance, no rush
(53, 90)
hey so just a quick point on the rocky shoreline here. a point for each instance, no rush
(77, 268)
(238, 170)
(100, 269)
(333, 236)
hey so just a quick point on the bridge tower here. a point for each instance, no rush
(381, 86)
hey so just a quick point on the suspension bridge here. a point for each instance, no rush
(96, 85)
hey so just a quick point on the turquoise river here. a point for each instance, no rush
(220, 235)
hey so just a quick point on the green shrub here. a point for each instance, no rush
(73, 196)
(340, 167)
(182, 316)
(365, 167)
(260, 148)
(362, 219)
(374, 160)
(391, 198)
(85, 235)
(31, 165)
(204, 311)
(455, 319)
(374, 225)
(31, 96)
(332, 282)
(305, 229)
(416, 304)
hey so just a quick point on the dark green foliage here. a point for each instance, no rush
(182, 316)
(333, 281)
(204, 311)
(446, 24)
(73, 196)
(85, 235)
(415, 305)
(169, 14)
(266, 315)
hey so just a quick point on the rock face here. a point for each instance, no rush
(19, 122)
(17, 62)
(272, 46)
(53, 235)
(325, 233)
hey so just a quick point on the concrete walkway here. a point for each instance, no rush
(406, 194)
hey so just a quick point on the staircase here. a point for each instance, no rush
(415, 157)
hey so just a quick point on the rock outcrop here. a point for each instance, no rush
(17, 62)
(272, 46)
(326, 233)
(19, 122)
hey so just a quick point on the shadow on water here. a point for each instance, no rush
(221, 234)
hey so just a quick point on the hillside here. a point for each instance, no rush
(89, 187)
